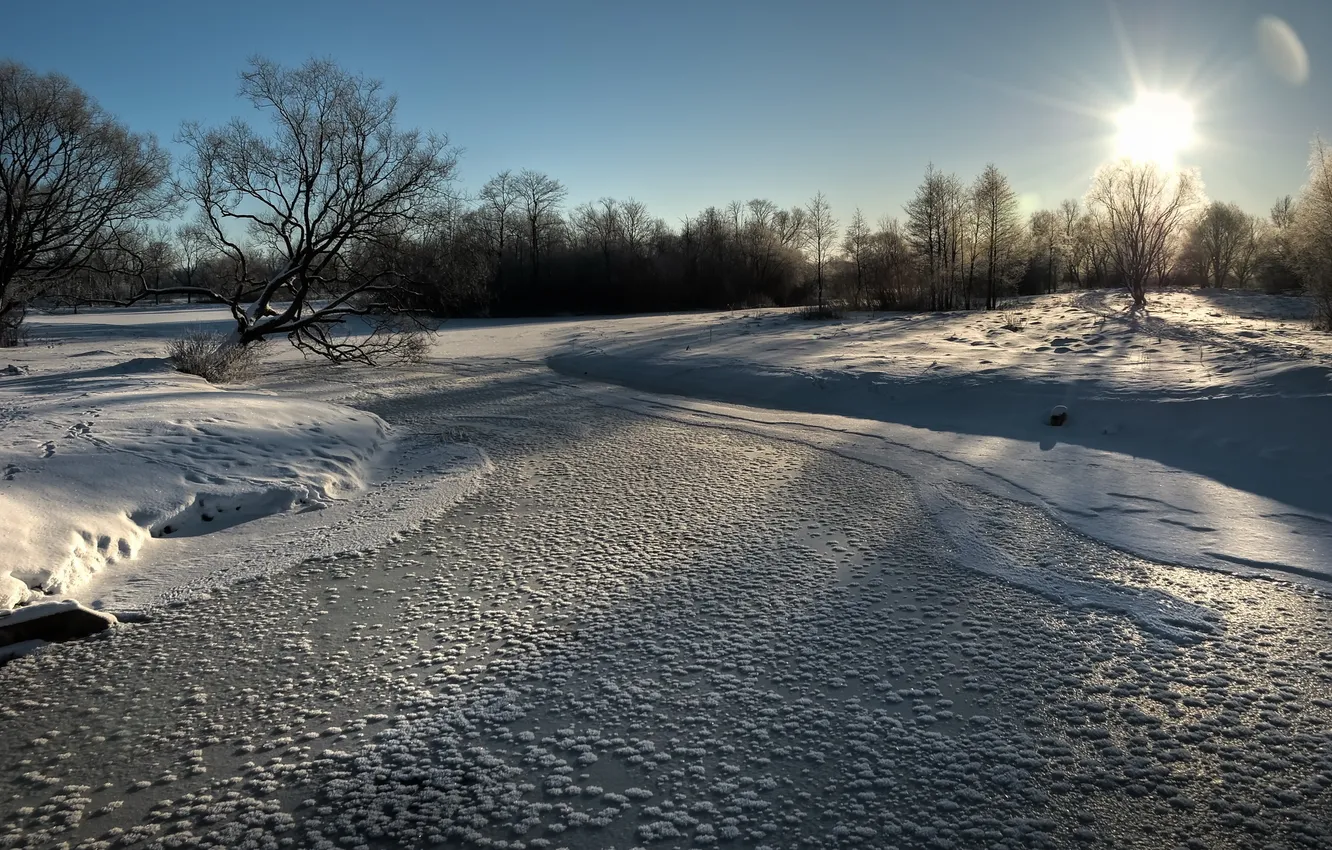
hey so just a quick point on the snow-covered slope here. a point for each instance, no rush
(1197, 431)
(112, 463)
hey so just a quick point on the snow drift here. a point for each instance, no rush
(99, 462)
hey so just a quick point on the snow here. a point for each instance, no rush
(38, 610)
(23, 647)
(665, 617)
(117, 468)
(1193, 435)
(1196, 434)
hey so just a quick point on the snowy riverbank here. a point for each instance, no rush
(119, 474)
(1195, 435)
(1197, 432)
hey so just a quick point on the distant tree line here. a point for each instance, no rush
(331, 210)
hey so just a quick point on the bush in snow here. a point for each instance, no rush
(214, 357)
(820, 312)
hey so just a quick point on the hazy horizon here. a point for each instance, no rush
(695, 105)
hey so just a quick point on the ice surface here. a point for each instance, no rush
(656, 619)
(641, 627)
(1195, 435)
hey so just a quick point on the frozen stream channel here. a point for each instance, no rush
(646, 632)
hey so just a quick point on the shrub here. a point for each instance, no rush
(1014, 322)
(827, 311)
(214, 357)
(13, 334)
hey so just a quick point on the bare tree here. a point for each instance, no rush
(1145, 208)
(541, 196)
(158, 257)
(1221, 238)
(857, 246)
(307, 212)
(972, 221)
(1047, 231)
(822, 238)
(75, 186)
(893, 265)
(194, 249)
(636, 226)
(1253, 235)
(1312, 226)
(791, 227)
(936, 226)
(599, 225)
(1283, 212)
(997, 206)
(499, 199)
(1276, 264)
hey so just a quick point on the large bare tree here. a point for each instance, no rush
(76, 187)
(1144, 209)
(309, 211)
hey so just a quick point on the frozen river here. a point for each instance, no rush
(658, 631)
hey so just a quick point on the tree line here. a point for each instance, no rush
(331, 210)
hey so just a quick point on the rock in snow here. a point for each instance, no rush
(52, 621)
(1058, 415)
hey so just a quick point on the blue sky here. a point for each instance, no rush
(686, 104)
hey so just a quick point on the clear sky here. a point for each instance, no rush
(696, 102)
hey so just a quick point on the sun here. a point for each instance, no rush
(1156, 128)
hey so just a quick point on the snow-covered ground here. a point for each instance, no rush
(119, 474)
(682, 621)
(1197, 433)
(644, 632)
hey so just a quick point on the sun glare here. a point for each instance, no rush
(1156, 127)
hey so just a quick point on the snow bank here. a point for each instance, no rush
(115, 466)
(1195, 434)
(100, 462)
(47, 622)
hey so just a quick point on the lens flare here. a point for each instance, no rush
(1282, 50)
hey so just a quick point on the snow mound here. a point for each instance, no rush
(101, 462)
